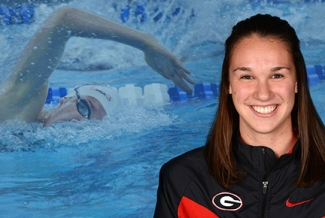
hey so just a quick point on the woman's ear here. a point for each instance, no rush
(229, 90)
(296, 87)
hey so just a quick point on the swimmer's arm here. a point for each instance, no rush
(85, 24)
(44, 50)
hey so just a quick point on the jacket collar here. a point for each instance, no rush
(261, 158)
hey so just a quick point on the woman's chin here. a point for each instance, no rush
(51, 121)
(59, 117)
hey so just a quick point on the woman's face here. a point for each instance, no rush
(67, 110)
(263, 84)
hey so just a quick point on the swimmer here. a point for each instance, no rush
(23, 93)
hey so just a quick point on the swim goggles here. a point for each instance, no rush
(82, 105)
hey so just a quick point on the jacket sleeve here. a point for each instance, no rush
(174, 179)
(165, 206)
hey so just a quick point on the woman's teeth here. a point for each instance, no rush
(264, 110)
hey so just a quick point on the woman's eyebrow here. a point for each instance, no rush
(274, 69)
(242, 69)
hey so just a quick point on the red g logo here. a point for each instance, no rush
(227, 201)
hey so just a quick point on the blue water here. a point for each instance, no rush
(110, 168)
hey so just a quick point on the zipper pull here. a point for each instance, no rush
(265, 183)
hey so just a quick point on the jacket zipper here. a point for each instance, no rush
(265, 183)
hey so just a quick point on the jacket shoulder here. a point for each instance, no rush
(189, 163)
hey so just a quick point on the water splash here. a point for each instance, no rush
(21, 136)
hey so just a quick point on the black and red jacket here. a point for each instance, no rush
(187, 190)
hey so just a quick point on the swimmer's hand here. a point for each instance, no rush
(166, 64)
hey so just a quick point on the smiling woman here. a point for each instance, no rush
(263, 87)
(265, 153)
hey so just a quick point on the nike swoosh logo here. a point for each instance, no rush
(293, 204)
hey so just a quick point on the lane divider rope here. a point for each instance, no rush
(156, 94)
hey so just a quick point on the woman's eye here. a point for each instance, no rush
(277, 76)
(246, 77)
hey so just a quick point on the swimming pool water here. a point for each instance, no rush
(110, 168)
(113, 177)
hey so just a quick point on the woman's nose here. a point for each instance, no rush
(63, 100)
(263, 91)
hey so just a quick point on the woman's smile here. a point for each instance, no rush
(264, 109)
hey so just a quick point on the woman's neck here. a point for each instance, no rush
(280, 143)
